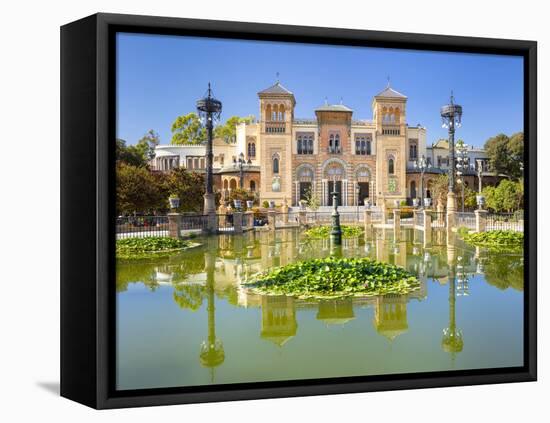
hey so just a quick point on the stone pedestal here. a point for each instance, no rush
(451, 210)
(249, 219)
(302, 216)
(212, 223)
(284, 210)
(396, 224)
(237, 222)
(481, 220)
(271, 214)
(427, 227)
(209, 203)
(174, 225)
(367, 219)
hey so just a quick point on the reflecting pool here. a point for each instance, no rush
(185, 320)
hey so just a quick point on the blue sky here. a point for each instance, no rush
(160, 77)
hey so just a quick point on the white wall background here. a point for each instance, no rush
(29, 239)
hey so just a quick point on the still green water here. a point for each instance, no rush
(185, 321)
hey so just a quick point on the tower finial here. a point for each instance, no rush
(452, 97)
(277, 76)
(209, 90)
(326, 101)
(341, 100)
(388, 86)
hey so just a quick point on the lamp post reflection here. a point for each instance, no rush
(212, 353)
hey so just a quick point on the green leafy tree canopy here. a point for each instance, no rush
(228, 131)
(187, 129)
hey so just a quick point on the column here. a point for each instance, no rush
(238, 222)
(481, 220)
(271, 215)
(367, 219)
(174, 225)
(396, 224)
(427, 227)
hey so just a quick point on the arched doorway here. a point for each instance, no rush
(334, 173)
(233, 184)
(363, 177)
(305, 176)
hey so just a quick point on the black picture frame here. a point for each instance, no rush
(87, 198)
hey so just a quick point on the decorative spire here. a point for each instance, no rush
(277, 77)
(388, 85)
(326, 101)
(452, 97)
(341, 100)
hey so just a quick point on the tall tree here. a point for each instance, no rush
(129, 154)
(187, 129)
(189, 187)
(228, 131)
(147, 144)
(506, 154)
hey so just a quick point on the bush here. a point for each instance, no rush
(497, 240)
(321, 232)
(335, 277)
(132, 248)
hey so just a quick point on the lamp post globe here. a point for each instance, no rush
(209, 109)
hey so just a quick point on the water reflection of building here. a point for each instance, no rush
(278, 318)
(390, 317)
(336, 312)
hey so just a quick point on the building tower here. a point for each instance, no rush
(276, 116)
(389, 114)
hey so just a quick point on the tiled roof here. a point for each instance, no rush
(391, 93)
(333, 108)
(276, 89)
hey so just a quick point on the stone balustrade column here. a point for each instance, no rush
(237, 222)
(481, 220)
(396, 224)
(427, 227)
(174, 225)
(249, 219)
(271, 216)
(367, 218)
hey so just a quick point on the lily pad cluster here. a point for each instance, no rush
(135, 248)
(334, 277)
(495, 240)
(321, 232)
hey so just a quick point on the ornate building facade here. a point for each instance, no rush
(358, 159)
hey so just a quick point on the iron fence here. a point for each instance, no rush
(141, 226)
(194, 221)
(225, 222)
(466, 219)
(505, 221)
(439, 219)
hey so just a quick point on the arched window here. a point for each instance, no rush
(252, 186)
(391, 166)
(275, 165)
(251, 149)
(299, 144)
(334, 143)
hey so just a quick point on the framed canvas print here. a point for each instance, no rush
(257, 211)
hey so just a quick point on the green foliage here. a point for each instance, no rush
(228, 131)
(133, 248)
(140, 154)
(506, 154)
(335, 277)
(320, 232)
(312, 200)
(506, 197)
(495, 240)
(265, 204)
(188, 186)
(187, 129)
(241, 194)
(440, 188)
(138, 190)
(504, 271)
(147, 144)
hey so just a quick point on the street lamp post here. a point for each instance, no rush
(241, 163)
(479, 163)
(209, 109)
(461, 166)
(451, 117)
(422, 165)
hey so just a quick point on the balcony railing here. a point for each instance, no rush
(334, 150)
(275, 127)
(391, 130)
